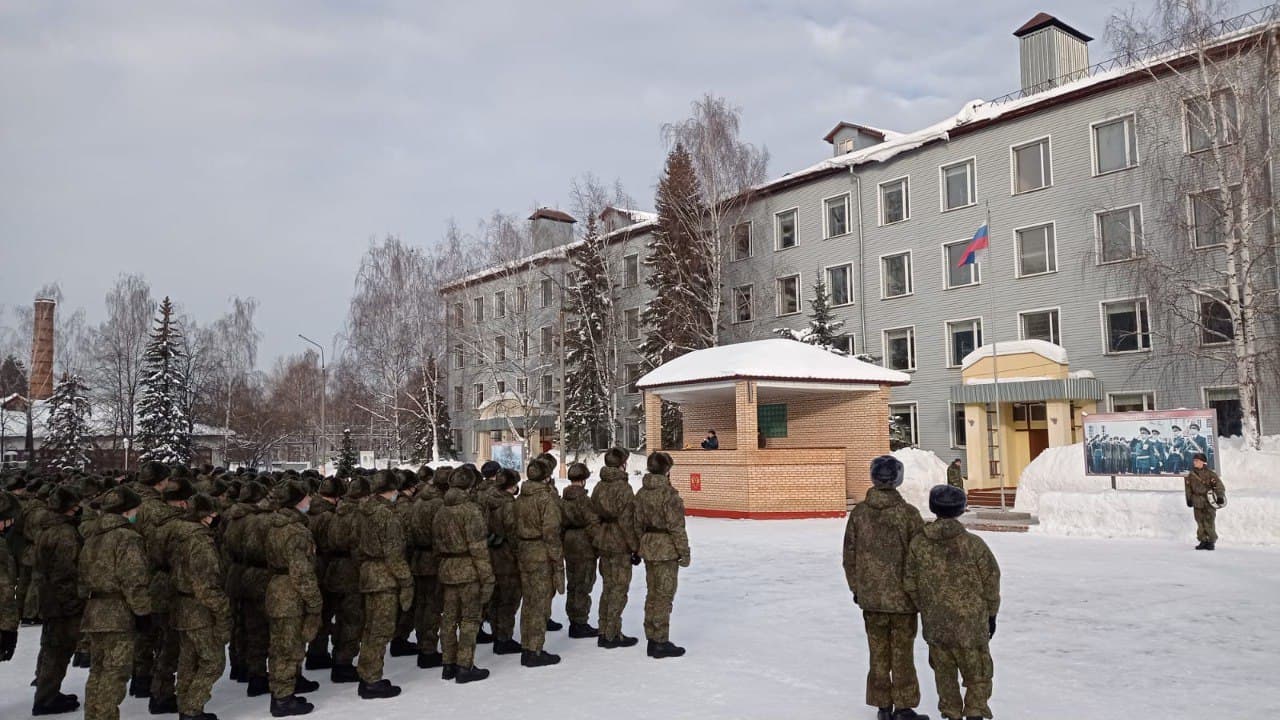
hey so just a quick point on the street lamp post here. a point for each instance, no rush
(324, 385)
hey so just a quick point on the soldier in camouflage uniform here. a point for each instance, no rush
(342, 578)
(876, 538)
(153, 479)
(35, 519)
(293, 598)
(115, 583)
(479, 494)
(231, 530)
(385, 581)
(955, 475)
(16, 540)
(201, 613)
(581, 533)
(459, 538)
(324, 503)
(1205, 494)
(954, 580)
(400, 645)
(160, 525)
(9, 509)
(428, 596)
(664, 547)
(499, 502)
(540, 554)
(614, 502)
(56, 564)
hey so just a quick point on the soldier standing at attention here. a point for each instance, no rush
(955, 476)
(9, 509)
(541, 558)
(57, 557)
(400, 645)
(115, 582)
(876, 538)
(293, 598)
(500, 500)
(323, 504)
(1205, 494)
(247, 578)
(153, 479)
(459, 537)
(614, 503)
(664, 547)
(201, 613)
(423, 564)
(385, 581)
(343, 577)
(162, 536)
(581, 529)
(954, 580)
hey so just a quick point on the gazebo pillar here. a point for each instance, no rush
(746, 422)
(652, 421)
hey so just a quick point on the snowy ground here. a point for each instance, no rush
(1090, 629)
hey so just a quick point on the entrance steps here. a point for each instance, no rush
(990, 497)
(998, 520)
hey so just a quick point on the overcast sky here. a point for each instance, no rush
(254, 148)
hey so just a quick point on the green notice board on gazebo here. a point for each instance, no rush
(772, 420)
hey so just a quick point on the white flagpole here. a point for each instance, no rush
(989, 329)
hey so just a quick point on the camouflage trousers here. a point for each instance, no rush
(973, 665)
(24, 588)
(256, 634)
(110, 664)
(428, 598)
(348, 625)
(31, 598)
(503, 606)
(380, 610)
(288, 646)
(580, 577)
(164, 643)
(891, 679)
(58, 637)
(1206, 524)
(328, 608)
(615, 583)
(459, 622)
(660, 582)
(536, 593)
(201, 660)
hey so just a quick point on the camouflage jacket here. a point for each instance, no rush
(8, 589)
(17, 538)
(160, 535)
(614, 502)
(231, 530)
(581, 524)
(876, 538)
(954, 477)
(537, 524)
(954, 580)
(57, 562)
(458, 535)
(197, 579)
(338, 537)
(421, 519)
(254, 532)
(35, 518)
(500, 506)
(113, 576)
(320, 515)
(380, 547)
(659, 521)
(1198, 484)
(291, 553)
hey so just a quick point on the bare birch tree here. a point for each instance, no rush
(120, 343)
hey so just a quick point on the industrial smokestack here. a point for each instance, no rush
(41, 384)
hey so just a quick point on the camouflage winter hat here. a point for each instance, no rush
(507, 479)
(252, 492)
(615, 457)
(659, 463)
(152, 472)
(331, 487)
(63, 498)
(947, 501)
(425, 472)
(550, 460)
(441, 478)
(288, 494)
(218, 487)
(181, 488)
(202, 506)
(17, 482)
(120, 499)
(408, 481)
(8, 506)
(383, 481)
(537, 471)
(464, 477)
(359, 488)
(886, 472)
(180, 471)
(578, 472)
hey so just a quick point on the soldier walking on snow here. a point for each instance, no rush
(1205, 495)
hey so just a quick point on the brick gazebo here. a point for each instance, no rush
(798, 427)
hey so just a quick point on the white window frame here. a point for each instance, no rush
(884, 347)
(972, 162)
(911, 280)
(826, 224)
(906, 200)
(500, 349)
(630, 387)
(1206, 389)
(547, 388)
(477, 309)
(1111, 399)
(546, 331)
(1017, 249)
(626, 270)
(751, 304)
(751, 241)
(777, 226)
(915, 418)
(846, 146)
(1106, 332)
(1193, 229)
(626, 325)
(1186, 122)
(499, 304)
(1022, 334)
(542, 293)
(478, 389)
(522, 387)
(1097, 233)
(951, 412)
(946, 267)
(946, 331)
(459, 356)
(459, 398)
(777, 295)
(1094, 157)
(1013, 165)
(1206, 294)
(852, 284)
(459, 314)
(853, 343)
(522, 299)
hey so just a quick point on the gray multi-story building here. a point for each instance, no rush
(1074, 176)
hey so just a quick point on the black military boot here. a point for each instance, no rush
(140, 687)
(482, 637)
(582, 630)
(1201, 546)
(80, 659)
(257, 686)
(239, 672)
(401, 647)
(471, 674)
(319, 660)
(200, 716)
(302, 685)
(542, 658)
(58, 705)
(885, 713)
(507, 646)
(165, 706)
(553, 626)
(428, 660)
(343, 674)
(1208, 546)
(292, 705)
(378, 690)
(908, 714)
(448, 671)
(665, 650)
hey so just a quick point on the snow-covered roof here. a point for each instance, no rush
(769, 359)
(1047, 350)
(100, 426)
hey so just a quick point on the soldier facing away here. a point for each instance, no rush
(342, 577)
(385, 581)
(541, 558)
(664, 547)
(201, 613)
(614, 503)
(320, 515)
(459, 536)
(57, 565)
(9, 510)
(499, 500)
(423, 564)
(1205, 495)
(876, 538)
(581, 529)
(293, 598)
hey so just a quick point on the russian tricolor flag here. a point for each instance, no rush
(979, 242)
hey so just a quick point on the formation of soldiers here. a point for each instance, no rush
(159, 580)
(1149, 452)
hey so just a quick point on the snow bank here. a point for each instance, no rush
(1047, 350)
(921, 471)
(1250, 516)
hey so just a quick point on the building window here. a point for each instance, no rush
(1032, 166)
(500, 304)
(742, 241)
(477, 309)
(1207, 125)
(548, 292)
(895, 275)
(502, 387)
(844, 344)
(500, 349)
(459, 358)
(900, 348)
(959, 275)
(633, 374)
(1040, 325)
(548, 389)
(524, 344)
(457, 315)
(1132, 402)
(902, 423)
(846, 146)
(958, 432)
(632, 432)
(631, 323)
(743, 305)
(457, 398)
(958, 186)
(1208, 217)
(1126, 325)
(784, 230)
(895, 201)
(522, 387)
(631, 271)
(788, 291)
(1120, 234)
(1216, 327)
(1037, 251)
(840, 284)
(546, 340)
(522, 299)
(1115, 145)
(771, 420)
(1226, 404)
(835, 216)
(963, 337)
(478, 389)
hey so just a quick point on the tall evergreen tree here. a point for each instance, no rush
(67, 439)
(591, 347)
(823, 328)
(679, 317)
(431, 429)
(347, 458)
(13, 377)
(163, 433)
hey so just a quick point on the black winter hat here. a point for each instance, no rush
(441, 477)
(383, 481)
(659, 463)
(537, 471)
(550, 460)
(886, 472)
(578, 472)
(152, 472)
(201, 506)
(425, 472)
(507, 479)
(616, 457)
(252, 492)
(178, 471)
(946, 501)
(182, 489)
(408, 480)
(290, 493)
(218, 488)
(331, 487)
(119, 500)
(489, 469)
(464, 477)
(62, 499)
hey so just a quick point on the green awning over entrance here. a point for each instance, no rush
(1019, 391)
(501, 423)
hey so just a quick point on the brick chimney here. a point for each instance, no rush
(41, 379)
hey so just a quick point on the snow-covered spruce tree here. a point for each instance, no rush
(431, 431)
(823, 327)
(347, 459)
(67, 441)
(590, 346)
(162, 425)
(679, 319)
